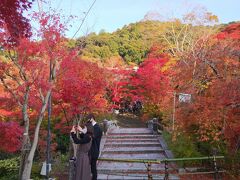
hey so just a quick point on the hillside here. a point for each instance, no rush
(132, 43)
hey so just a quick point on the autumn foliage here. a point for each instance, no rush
(10, 133)
(212, 77)
(151, 81)
(82, 84)
(207, 67)
(13, 21)
(148, 84)
(80, 89)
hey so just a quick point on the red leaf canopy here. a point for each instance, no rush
(10, 136)
(82, 86)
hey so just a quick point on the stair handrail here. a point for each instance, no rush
(168, 160)
(162, 160)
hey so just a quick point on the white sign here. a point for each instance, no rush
(184, 97)
(43, 170)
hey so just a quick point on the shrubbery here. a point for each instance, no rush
(9, 168)
(182, 146)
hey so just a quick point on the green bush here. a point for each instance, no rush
(60, 163)
(36, 169)
(182, 147)
(9, 168)
(62, 142)
(9, 165)
(13, 176)
(232, 164)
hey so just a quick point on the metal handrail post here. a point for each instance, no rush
(216, 174)
(149, 171)
(167, 161)
(166, 177)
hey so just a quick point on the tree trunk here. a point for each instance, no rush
(28, 163)
(26, 144)
(24, 154)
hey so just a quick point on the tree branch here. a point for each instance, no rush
(41, 95)
(11, 92)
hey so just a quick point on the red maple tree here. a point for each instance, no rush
(24, 73)
(80, 89)
(10, 133)
(152, 84)
(211, 75)
(12, 21)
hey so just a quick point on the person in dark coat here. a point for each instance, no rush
(83, 166)
(95, 148)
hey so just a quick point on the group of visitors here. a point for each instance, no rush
(127, 106)
(89, 138)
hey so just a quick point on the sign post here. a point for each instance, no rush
(182, 97)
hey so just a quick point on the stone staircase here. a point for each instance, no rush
(132, 143)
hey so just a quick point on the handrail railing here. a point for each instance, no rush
(162, 160)
(168, 160)
(131, 160)
(192, 158)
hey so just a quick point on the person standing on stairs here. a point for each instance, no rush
(83, 168)
(95, 148)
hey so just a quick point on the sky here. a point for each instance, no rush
(109, 15)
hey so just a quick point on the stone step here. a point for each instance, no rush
(132, 144)
(131, 130)
(149, 136)
(150, 156)
(132, 140)
(127, 166)
(134, 176)
(133, 150)
(120, 134)
(134, 171)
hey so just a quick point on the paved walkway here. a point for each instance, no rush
(132, 143)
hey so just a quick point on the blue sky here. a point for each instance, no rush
(113, 14)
